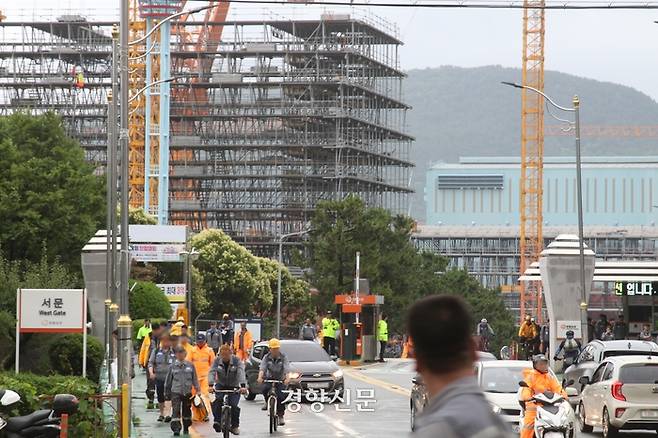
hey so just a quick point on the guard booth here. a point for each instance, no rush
(358, 340)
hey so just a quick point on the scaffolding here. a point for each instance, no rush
(283, 114)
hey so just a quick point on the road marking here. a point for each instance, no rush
(380, 383)
(337, 424)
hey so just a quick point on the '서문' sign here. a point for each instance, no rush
(51, 310)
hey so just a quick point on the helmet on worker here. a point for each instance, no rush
(484, 320)
(570, 334)
(275, 347)
(540, 363)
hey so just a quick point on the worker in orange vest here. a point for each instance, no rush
(202, 356)
(242, 342)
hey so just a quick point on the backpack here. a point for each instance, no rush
(308, 333)
(570, 345)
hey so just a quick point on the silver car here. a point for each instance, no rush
(622, 394)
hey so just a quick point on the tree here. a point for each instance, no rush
(50, 198)
(147, 300)
(295, 298)
(389, 261)
(137, 216)
(228, 278)
(42, 274)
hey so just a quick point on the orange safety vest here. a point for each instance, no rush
(248, 343)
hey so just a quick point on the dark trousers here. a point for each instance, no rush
(382, 349)
(280, 397)
(160, 390)
(233, 401)
(181, 408)
(150, 388)
(329, 345)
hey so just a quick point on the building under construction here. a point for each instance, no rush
(275, 117)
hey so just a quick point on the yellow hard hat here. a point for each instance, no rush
(274, 343)
(180, 318)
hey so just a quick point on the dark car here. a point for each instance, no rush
(311, 368)
(596, 351)
(419, 397)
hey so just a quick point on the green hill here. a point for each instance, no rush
(467, 112)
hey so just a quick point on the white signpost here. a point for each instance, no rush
(564, 326)
(52, 311)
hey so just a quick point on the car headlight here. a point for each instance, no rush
(338, 374)
(294, 375)
(496, 409)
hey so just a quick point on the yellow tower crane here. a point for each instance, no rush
(532, 152)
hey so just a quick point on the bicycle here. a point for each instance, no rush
(272, 404)
(225, 419)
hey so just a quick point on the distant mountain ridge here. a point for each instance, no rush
(467, 112)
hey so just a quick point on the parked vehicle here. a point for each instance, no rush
(554, 415)
(596, 351)
(622, 394)
(499, 381)
(44, 423)
(311, 369)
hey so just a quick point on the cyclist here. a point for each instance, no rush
(227, 372)
(539, 380)
(526, 335)
(274, 366)
(571, 348)
(485, 332)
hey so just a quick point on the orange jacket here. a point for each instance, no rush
(527, 330)
(144, 351)
(202, 358)
(538, 383)
(248, 341)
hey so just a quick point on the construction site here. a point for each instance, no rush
(242, 125)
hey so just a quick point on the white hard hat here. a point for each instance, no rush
(484, 320)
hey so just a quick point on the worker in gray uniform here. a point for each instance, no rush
(178, 387)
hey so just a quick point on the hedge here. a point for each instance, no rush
(66, 356)
(35, 392)
(148, 301)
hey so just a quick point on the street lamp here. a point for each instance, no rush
(188, 258)
(581, 246)
(278, 285)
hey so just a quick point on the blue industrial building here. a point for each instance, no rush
(617, 191)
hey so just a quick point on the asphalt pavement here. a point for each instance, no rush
(378, 407)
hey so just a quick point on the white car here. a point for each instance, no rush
(621, 394)
(500, 382)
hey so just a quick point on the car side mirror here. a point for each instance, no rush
(584, 380)
(571, 391)
(522, 384)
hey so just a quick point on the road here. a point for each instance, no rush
(391, 383)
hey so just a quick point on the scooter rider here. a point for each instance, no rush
(227, 372)
(571, 348)
(538, 380)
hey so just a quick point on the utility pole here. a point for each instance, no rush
(113, 158)
(124, 323)
(581, 238)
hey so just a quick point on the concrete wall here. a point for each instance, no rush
(93, 271)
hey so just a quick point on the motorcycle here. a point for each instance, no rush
(44, 423)
(555, 417)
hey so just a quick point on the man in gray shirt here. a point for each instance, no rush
(440, 327)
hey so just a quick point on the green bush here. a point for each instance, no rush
(35, 392)
(148, 301)
(66, 356)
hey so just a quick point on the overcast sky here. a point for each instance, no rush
(616, 46)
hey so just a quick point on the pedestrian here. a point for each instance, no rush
(600, 326)
(329, 327)
(545, 337)
(441, 327)
(382, 335)
(150, 343)
(620, 329)
(143, 331)
(608, 335)
(179, 384)
(202, 356)
(308, 332)
(243, 342)
(184, 341)
(227, 328)
(214, 336)
(227, 373)
(274, 366)
(591, 329)
(645, 333)
(535, 339)
(160, 362)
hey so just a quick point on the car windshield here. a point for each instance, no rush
(612, 353)
(639, 373)
(307, 352)
(501, 380)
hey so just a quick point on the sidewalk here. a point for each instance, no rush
(148, 426)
